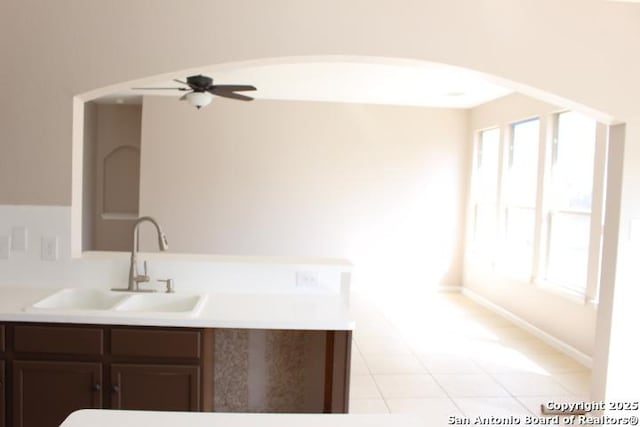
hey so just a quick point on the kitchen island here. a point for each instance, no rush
(239, 353)
(97, 418)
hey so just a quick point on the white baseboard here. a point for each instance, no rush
(554, 342)
(449, 288)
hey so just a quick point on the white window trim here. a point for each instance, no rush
(503, 177)
(548, 125)
(541, 227)
(590, 294)
(477, 252)
(597, 213)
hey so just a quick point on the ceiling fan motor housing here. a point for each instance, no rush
(199, 83)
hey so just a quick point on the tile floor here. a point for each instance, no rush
(444, 355)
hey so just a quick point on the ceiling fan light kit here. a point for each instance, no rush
(202, 90)
(199, 99)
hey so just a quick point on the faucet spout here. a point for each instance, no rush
(134, 278)
(163, 244)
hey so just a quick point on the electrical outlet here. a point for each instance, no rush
(5, 243)
(19, 239)
(307, 279)
(49, 249)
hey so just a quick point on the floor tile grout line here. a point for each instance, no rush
(408, 343)
(513, 396)
(450, 398)
(384, 399)
(366, 364)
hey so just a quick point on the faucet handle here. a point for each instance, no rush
(169, 283)
(142, 278)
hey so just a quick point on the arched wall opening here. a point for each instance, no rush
(448, 245)
(374, 259)
(80, 100)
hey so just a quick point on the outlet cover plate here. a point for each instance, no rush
(307, 279)
(19, 239)
(5, 243)
(49, 248)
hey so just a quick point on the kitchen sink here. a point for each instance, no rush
(104, 302)
(161, 303)
(79, 299)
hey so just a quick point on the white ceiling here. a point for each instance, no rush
(416, 84)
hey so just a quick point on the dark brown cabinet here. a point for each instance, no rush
(160, 369)
(58, 340)
(45, 393)
(48, 370)
(55, 369)
(3, 381)
(155, 344)
(155, 387)
(3, 414)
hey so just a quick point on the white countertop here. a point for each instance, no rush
(342, 264)
(221, 310)
(111, 418)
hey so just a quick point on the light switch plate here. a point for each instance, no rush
(49, 248)
(307, 279)
(19, 239)
(5, 242)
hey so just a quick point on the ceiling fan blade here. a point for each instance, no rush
(228, 94)
(233, 88)
(190, 85)
(159, 88)
(183, 97)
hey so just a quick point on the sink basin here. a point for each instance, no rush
(78, 299)
(107, 303)
(162, 303)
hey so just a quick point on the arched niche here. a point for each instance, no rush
(121, 182)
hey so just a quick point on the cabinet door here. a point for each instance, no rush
(155, 387)
(45, 393)
(3, 414)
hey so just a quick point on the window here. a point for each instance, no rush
(537, 197)
(570, 199)
(485, 191)
(520, 185)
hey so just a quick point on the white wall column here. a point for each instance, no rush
(616, 372)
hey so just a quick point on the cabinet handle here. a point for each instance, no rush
(115, 388)
(96, 387)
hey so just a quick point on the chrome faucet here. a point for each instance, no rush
(134, 278)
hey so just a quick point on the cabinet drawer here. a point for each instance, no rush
(58, 339)
(155, 343)
(1, 337)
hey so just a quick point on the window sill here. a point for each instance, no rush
(565, 293)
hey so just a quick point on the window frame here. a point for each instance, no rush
(505, 205)
(480, 250)
(595, 213)
(543, 209)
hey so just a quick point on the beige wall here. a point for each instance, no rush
(572, 322)
(383, 186)
(68, 48)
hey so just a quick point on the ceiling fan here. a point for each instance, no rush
(201, 90)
